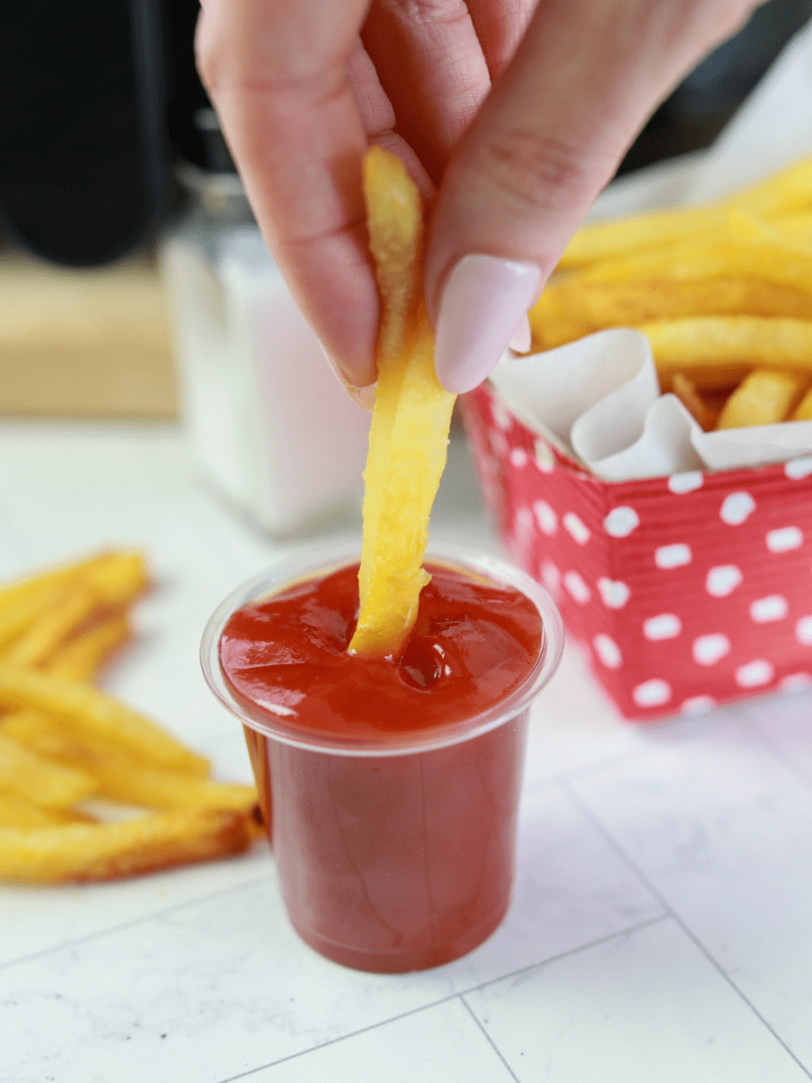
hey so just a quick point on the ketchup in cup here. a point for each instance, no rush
(389, 786)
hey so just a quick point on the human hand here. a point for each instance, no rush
(519, 110)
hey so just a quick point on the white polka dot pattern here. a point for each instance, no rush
(672, 556)
(784, 539)
(690, 590)
(687, 482)
(697, 704)
(754, 674)
(614, 593)
(773, 607)
(799, 468)
(608, 651)
(545, 517)
(652, 693)
(723, 580)
(710, 649)
(663, 626)
(737, 508)
(576, 527)
(577, 587)
(621, 521)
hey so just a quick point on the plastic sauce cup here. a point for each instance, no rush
(396, 852)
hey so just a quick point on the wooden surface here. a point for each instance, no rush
(84, 343)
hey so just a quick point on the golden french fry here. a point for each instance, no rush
(686, 391)
(119, 577)
(780, 194)
(16, 811)
(410, 422)
(80, 658)
(794, 228)
(700, 343)
(803, 411)
(149, 787)
(763, 398)
(778, 264)
(576, 308)
(92, 712)
(54, 624)
(25, 774)
(124, 778)
(86, 852)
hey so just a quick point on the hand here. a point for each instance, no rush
(520, 112)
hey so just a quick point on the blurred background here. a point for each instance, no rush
(133, 282)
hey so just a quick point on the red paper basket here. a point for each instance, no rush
(687, 591)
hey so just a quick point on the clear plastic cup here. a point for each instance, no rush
(395, 852)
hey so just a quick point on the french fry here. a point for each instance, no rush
(80, 658)
(55, 624)
(780, 264)
(803, 411)
(15, 811)
(46, 782)
(781, 194)
(123, 778)
(699, 344)
(575, 308)
(77, 853)
(410, 421)
(686, 391)
(762, 398)
(92, 712)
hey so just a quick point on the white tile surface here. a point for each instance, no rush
(443, 1044)
(722, 829)
(661, 923)
(639, 1008)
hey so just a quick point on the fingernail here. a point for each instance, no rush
(481, 308)
(522, 339)
(361, 396)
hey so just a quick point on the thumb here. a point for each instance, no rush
(548, 138)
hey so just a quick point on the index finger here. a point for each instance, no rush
(277, 74)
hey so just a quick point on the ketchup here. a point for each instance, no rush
(388, 862)
(472, 644)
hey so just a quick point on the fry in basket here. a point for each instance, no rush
(686, 391)
(803, 411)
(410, 421)
(781, 194)
(575, 308)
(762, 398)
(85, 852)
(702, 343)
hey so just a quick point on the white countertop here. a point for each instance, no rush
(661, 930)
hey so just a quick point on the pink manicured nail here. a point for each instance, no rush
(481, 308)
(522, 339)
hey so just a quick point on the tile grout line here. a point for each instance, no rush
(488, 1038)
(621, 852)
(112, 929)
(455, 996)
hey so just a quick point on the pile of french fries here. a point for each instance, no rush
(64, 743)
(723, 292)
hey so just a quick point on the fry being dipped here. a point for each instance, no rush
(410, 421)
